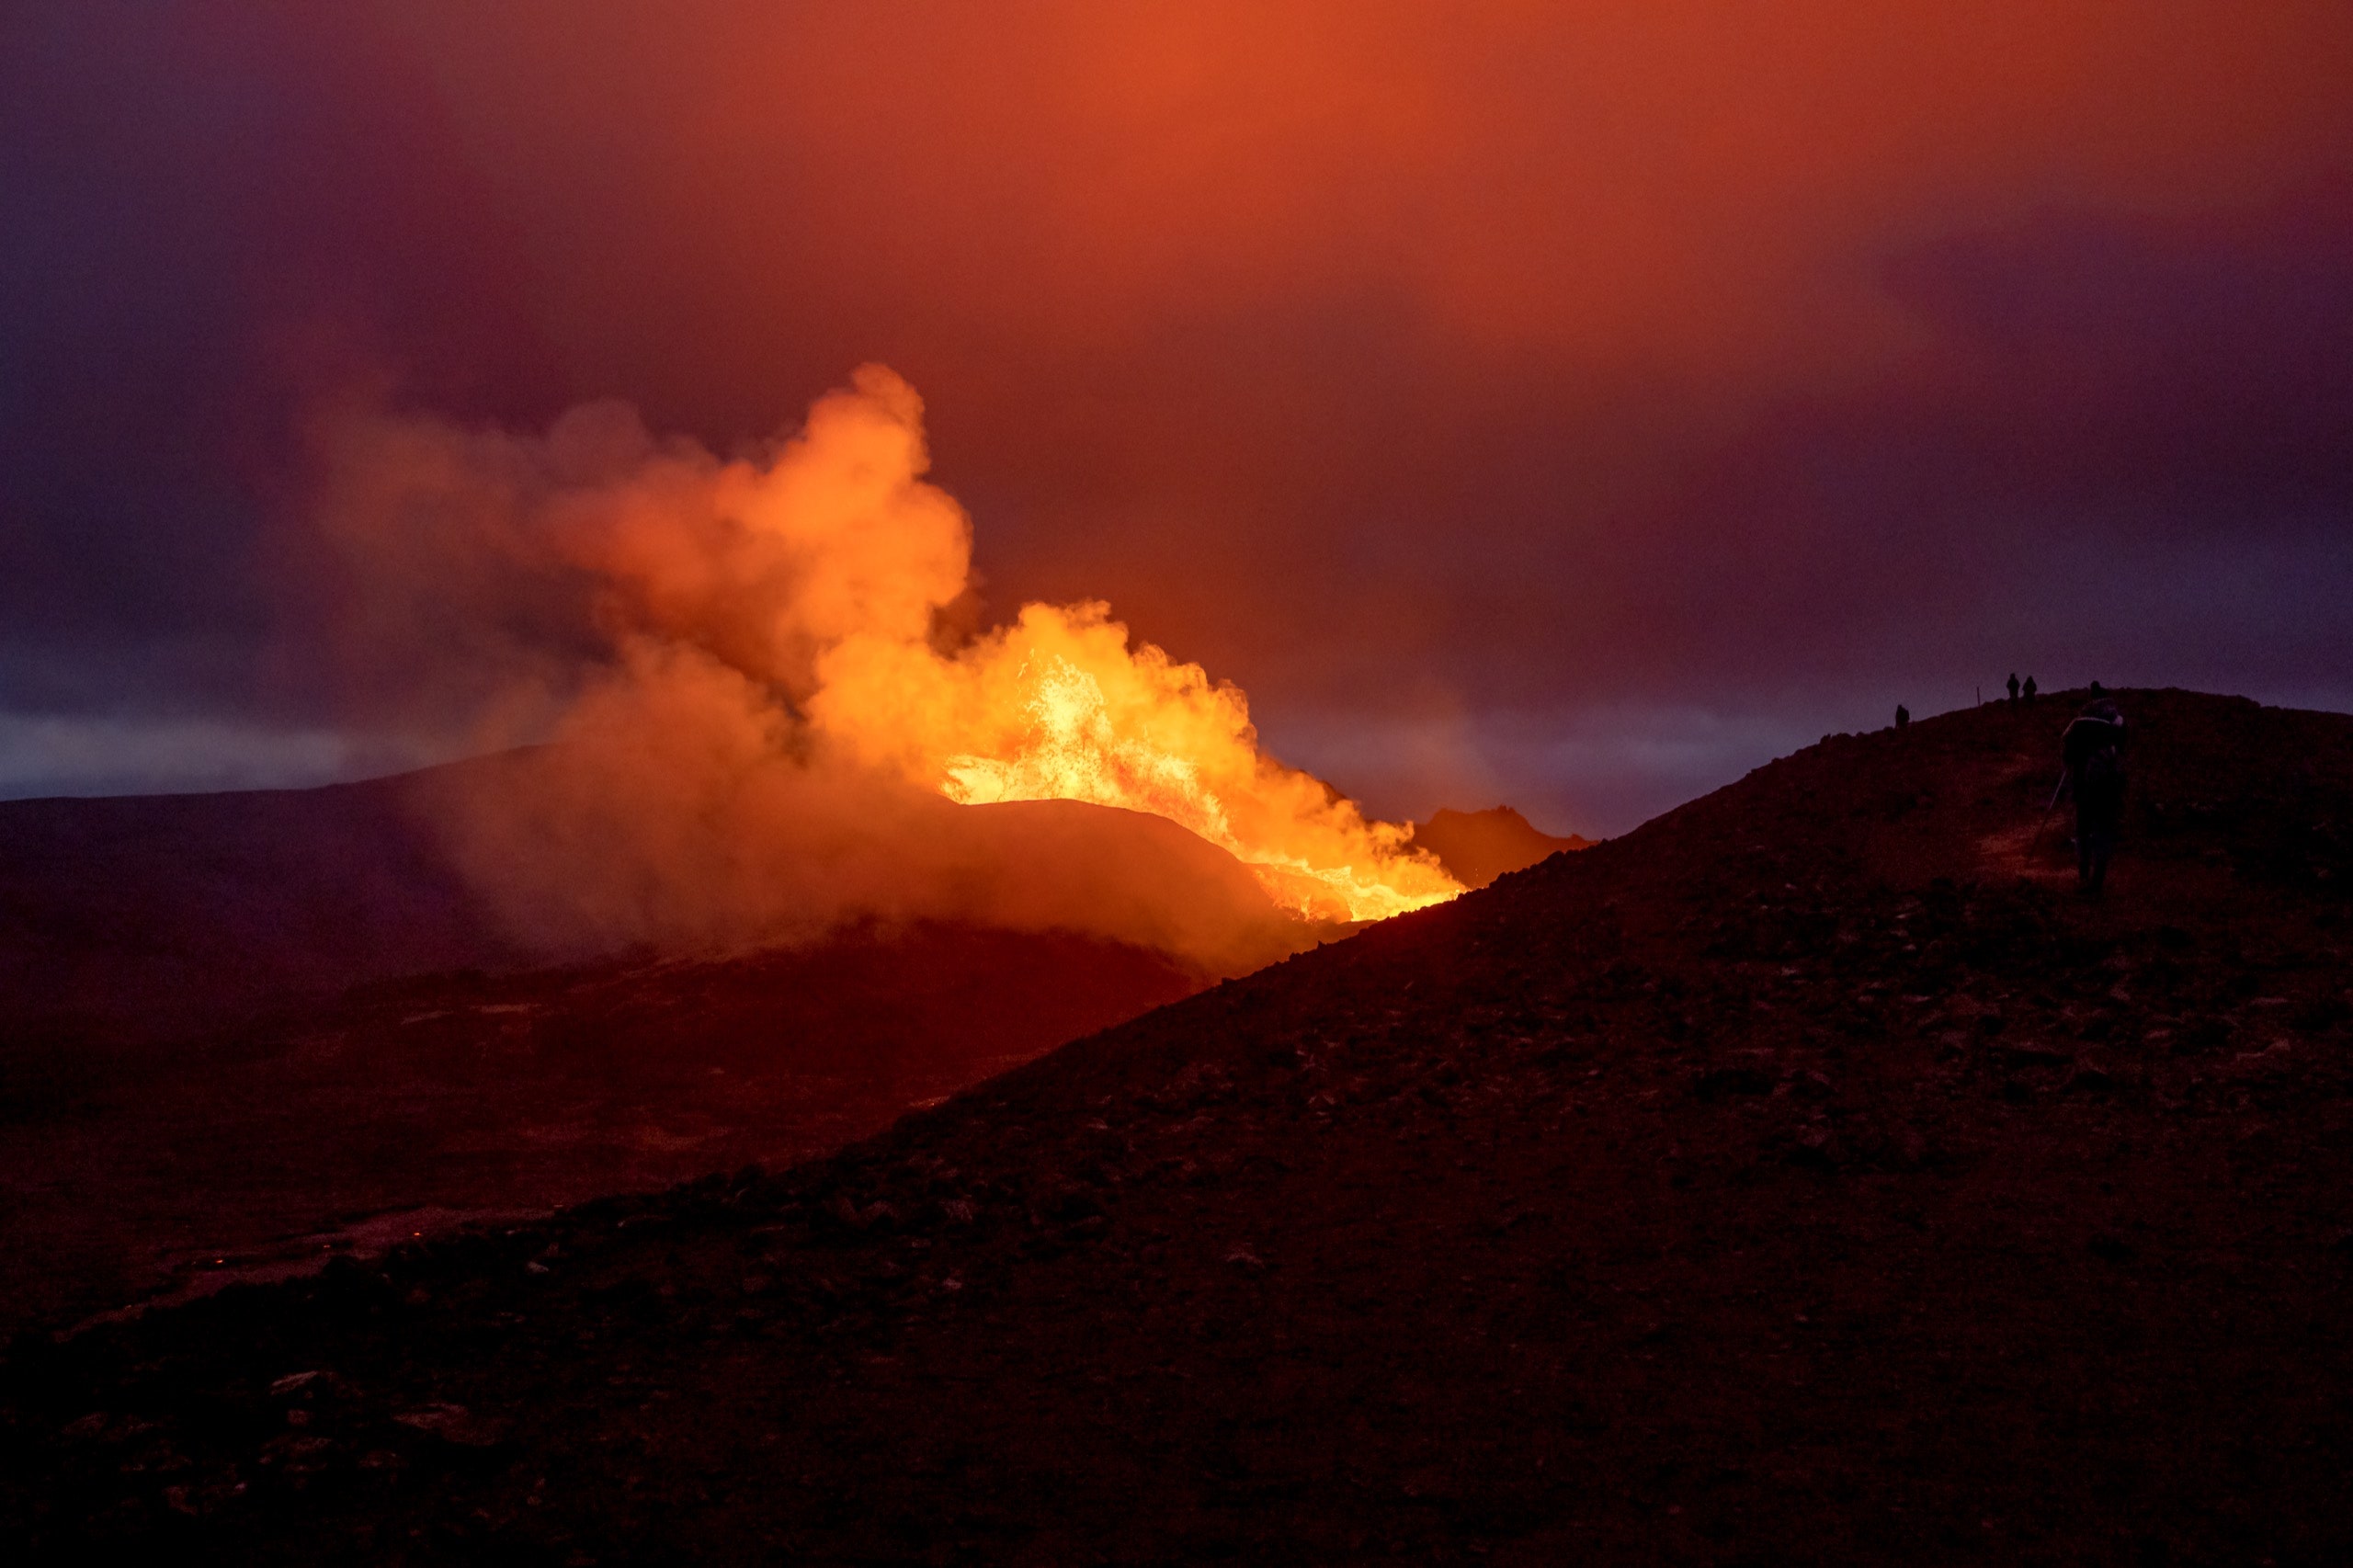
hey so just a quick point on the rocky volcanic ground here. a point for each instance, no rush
(137, 1165)
(1806, 1175)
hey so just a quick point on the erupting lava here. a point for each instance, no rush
(1058, 706)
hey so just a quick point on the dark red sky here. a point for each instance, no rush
(1571, 403)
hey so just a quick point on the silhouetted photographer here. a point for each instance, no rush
(2093, 752)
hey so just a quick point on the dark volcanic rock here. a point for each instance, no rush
(1431, 1246)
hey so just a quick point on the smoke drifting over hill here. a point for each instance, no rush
(770, 711)
(1575, 406)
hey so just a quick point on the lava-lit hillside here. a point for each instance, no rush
(1805, 1175)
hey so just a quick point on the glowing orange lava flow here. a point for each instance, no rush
(1074, 752)
(1059, 706)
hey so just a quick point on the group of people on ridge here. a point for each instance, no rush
(2091, 773)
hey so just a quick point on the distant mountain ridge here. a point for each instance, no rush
(146, 915)
(1476, 847)
(140, 915)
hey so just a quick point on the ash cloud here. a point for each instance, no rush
(755, 702)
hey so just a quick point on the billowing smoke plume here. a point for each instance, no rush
(763, 722)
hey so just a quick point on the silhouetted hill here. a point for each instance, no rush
(231, 1023)
(1476, 847)
(1806, 1175)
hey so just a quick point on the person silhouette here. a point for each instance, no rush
(1902, 716)
(2092, 753)
(2013, 688)
(2029, 688)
